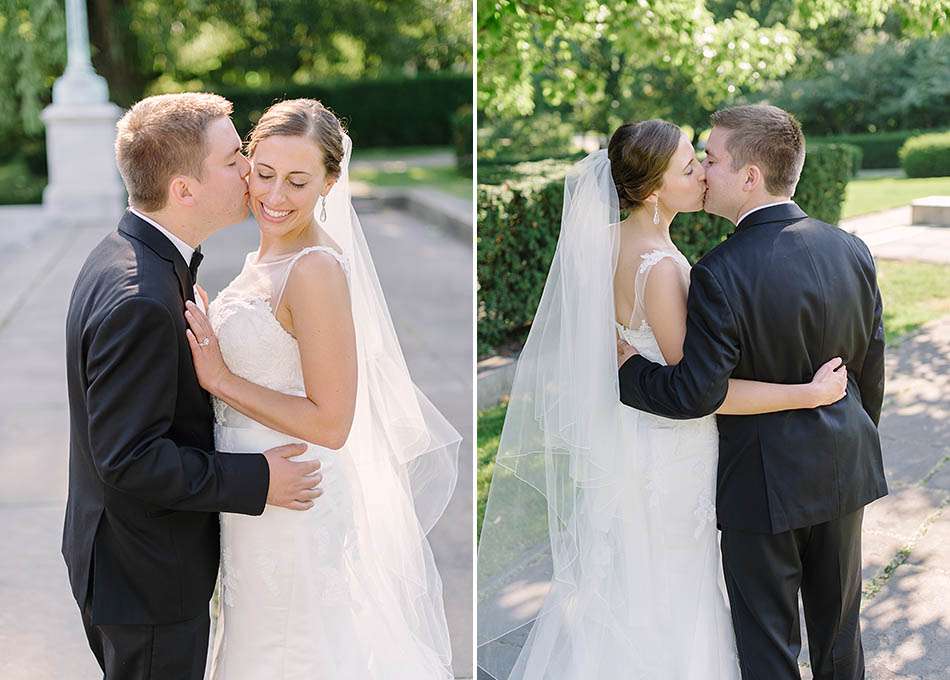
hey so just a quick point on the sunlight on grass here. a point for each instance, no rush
(913, 293)
(444, 178)
(398, 152)
(870, 194)
(490, 422)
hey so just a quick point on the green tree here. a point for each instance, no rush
(605, 61)
(147, 46)
(888, 85)
(32, 55)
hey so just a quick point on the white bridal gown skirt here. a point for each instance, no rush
(649, 602)
(292, 602)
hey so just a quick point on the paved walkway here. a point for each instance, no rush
(890, 235)
(427, 279)
(906, 609)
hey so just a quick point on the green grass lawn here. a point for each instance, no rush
(489, 431)
(913, 294)
(444, 178)
(869, 194)
(397, 152)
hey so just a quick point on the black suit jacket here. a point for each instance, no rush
(145, 484)
(776, 300)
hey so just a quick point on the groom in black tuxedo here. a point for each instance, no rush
(141, 535)
(781, 296)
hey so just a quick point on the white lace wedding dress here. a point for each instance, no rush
(665, 553)
(649, 601)
(293, 596)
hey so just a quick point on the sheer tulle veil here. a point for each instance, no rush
(405, 451)
(554, 489)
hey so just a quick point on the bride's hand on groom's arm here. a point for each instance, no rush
(205, 352)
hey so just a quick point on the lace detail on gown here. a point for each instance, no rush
(291, 581)
(244, 310)
(640, 335)
(637, 331)
(665, 525)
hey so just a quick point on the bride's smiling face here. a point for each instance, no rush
(684, 182)
(287, 179)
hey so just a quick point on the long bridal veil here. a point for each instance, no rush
(404, 450)
(554, 488)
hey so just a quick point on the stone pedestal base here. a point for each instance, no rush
(84, 185)
(932, 210)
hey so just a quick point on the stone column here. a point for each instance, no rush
(84, 185)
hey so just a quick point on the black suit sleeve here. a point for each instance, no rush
(697, 385)
(132, 374)
(871, 382)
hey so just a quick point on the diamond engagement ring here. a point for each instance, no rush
(205, 342)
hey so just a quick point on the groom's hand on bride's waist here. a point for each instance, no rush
(293, 485)
(624, 351)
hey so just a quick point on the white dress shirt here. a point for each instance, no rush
(762, 207)
(186, 250)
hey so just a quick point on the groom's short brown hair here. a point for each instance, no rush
(161, 137)
(768, 137)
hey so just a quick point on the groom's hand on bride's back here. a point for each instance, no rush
(293, 485)
(624, 351)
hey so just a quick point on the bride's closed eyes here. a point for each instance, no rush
(289, 181)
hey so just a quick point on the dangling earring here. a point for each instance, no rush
(656, 213)
(323, 208)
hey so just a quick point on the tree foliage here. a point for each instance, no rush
(148, 46)
(32, 54)
(610, 60)
(890, 85)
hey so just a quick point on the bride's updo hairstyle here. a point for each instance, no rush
(639, 154)
(303, 118)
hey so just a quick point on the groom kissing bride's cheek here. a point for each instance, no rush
(229, 441)
(750, 388)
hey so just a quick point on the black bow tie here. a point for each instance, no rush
(196, 258)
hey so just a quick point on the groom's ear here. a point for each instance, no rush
(753, 178)
(179, 191)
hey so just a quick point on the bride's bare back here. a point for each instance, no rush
(651, 284)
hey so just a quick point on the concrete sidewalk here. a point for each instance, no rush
(890, 235)
(426, 276)
(905, 615)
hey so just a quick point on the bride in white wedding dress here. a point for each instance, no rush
(300, 348)
(599, 554)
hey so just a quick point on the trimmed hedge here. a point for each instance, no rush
(385, 112)
(519, 220)
(926, 155)
(462, 140)
(879, 149)
(18, 185)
